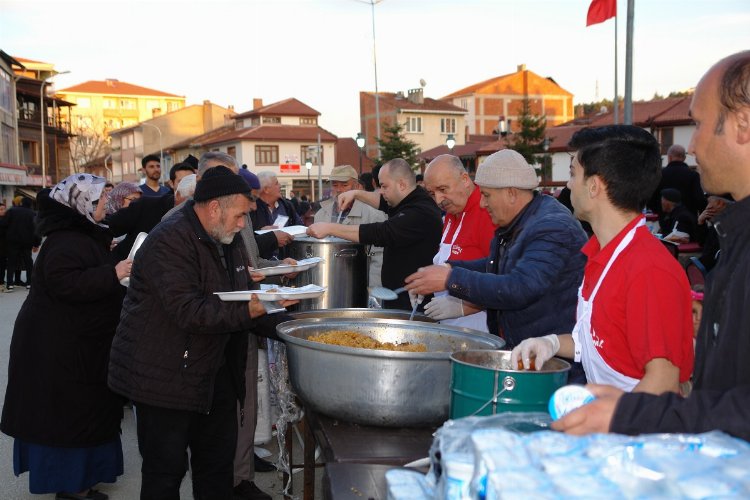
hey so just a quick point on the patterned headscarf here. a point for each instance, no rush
(117, 196)
(80, 192)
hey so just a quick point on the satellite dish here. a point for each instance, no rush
(422, 82)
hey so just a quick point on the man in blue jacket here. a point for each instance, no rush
(529, 281)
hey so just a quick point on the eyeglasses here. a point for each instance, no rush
(131, 198)
(572, 155)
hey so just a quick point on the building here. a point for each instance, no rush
(280, 137)
(103, 106)
(427, 122)
(158, 136)
(667, 119)
(44, 162)
(495, 105)
(12, 174)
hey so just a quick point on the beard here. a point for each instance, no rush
(220, 234)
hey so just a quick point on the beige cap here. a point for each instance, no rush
(343, 173)
(506, 168)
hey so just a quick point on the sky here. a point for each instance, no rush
(321, 51)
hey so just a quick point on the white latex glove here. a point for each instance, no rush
(541, 347)
(444, 307)
(415, 299)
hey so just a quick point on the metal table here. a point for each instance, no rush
(347, 443)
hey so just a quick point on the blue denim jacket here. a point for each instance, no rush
(529, 283)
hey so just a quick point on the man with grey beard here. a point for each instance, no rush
(180, 351)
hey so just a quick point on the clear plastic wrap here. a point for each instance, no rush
(289, 412)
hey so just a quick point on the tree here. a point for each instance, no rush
(394, 145)
(529, 140)
(88, 144)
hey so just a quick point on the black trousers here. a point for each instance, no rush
(165, 435)
(19, 257)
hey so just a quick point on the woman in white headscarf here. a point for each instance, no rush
(64, 418)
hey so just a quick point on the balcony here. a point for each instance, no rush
(29, 117)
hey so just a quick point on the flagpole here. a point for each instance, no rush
(616, 100)
(628, 112)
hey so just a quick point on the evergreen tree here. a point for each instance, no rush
(393, 144)
(529, 140)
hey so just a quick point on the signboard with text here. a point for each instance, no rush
(289, 168)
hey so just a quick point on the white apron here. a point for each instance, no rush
(597, 370)
(476, 321)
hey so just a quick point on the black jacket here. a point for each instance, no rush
(57, 391)
(267, 243)
(174, 333)
(19, 227)
(721, 395)
(410, 239)
(686, 221)
(140, 216)
(678, 175)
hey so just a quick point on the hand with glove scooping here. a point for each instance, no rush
(444, 307)
(534, 352)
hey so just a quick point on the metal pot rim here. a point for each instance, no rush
(565, 367)
(283, 329)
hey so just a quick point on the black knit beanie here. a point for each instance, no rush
(217, 182)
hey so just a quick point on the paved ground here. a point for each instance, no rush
(128, 486)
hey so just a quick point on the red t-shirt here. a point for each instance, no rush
(477, 231)
(642, 310)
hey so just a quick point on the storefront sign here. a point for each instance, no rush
(289, 168)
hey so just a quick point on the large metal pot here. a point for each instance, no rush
(343, 271)
(360, 313)
(374, 387)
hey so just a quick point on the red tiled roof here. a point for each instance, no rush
(114, 87)
(512, 83)
(274, 133)
(200, 140)
(492, 147)
(671, 111)
(287, 107)
(25, 60)
(459, 150)
(428, 104)
(559, 137)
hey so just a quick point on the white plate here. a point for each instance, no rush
(302, 265)
(284, 293)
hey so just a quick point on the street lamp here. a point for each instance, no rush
(308, 166)
(450, 142)
(361, 143)
(41, 123)
(161, 152)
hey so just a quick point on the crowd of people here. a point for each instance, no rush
(490, 253)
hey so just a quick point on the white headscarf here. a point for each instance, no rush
(80, 192)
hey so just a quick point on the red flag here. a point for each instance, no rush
(600, 11)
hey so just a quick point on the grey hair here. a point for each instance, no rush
(213, 158)
(265, 177)
(186, 186)
(454, 162)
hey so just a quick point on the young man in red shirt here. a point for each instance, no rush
(467, 233)
(633, 324)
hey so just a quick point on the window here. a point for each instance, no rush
(447, 125)
(84, 122)
(308, 121)
(127, 104)
(128, 167)
(271, 119)
(465, 104)
(232, 151)
(266, 155)
(8, 151)
(414, 124)
(108, 104)
(29, 152)
(127, 141)
(310, 153)
(6, 94)
(666, 138)
(152, 104)
(84, 102)
(173, 106)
